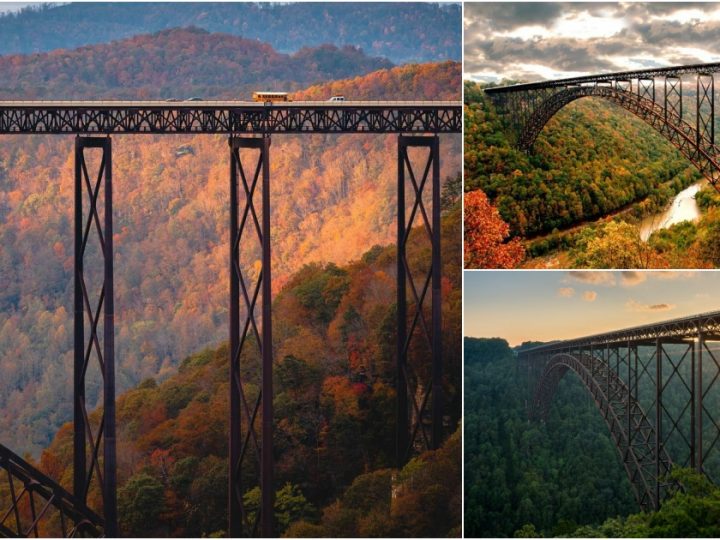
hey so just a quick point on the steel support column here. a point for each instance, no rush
(699, 401)
(658, 419)
(247, 227)
(101, 345)
(408, 376)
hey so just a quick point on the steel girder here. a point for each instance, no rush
(229, 118)
(528, 107)
(33, 505)
(94, 344)
(420, 425)
(251, 401)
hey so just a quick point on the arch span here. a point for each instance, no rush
(697, 147)
(631, 431)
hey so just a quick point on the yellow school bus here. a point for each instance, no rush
(265, 97)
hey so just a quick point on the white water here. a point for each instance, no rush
(683, 208)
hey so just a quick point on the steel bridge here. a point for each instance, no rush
(249, 127)
(657, 387)
(678, 102)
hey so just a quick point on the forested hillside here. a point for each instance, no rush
(333, 197)
(554, 476)
(693, 512)
(593, 161)
(177, 63)
(565, 477)
(397, 31)
(334, 417)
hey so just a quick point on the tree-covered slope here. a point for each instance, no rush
(334, 418)
(693, 512)
(395, 30)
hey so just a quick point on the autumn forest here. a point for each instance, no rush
(598, 178)
(334, 264)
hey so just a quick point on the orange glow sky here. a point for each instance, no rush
(545, 305)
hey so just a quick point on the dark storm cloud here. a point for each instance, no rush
(563, 54)
(672, 33)
(507, 16)
(521, 40)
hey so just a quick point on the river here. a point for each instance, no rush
(683, 208)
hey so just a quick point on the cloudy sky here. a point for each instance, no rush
(545, 305)
(547, 40)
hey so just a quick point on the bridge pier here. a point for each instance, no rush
(245, 226)
(410, 414)
(87, 219)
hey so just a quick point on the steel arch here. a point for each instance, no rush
(696, 146)
(612, 398)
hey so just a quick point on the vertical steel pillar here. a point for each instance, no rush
(408, 434)
(629, 396)
(437, 367)
(699, 401)
(658, 417)
(244, 446)
(83, 435)
(692, 405)
(79, 461)
(403, 420)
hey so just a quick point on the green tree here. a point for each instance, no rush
(140, 502)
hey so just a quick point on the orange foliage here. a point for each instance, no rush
(485, 234)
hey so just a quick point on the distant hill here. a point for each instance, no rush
(402, 32)
(177, 63)
(401, 83)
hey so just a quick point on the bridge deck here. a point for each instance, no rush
(219, 104)
(229, 117)
(681, 328)
(674, 71)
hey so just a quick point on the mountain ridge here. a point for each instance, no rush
(177, 63)
(397, 31)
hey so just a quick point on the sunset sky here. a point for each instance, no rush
(546, 305)
(549, 40)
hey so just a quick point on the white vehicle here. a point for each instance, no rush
(337, 98)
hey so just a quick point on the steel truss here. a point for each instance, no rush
(94, 343)
(652, 384)
(229, 117)
(528, 107)
(33, 505)
(250, 407)
(417, 337)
